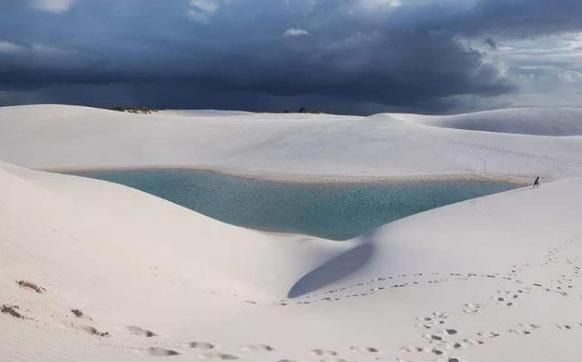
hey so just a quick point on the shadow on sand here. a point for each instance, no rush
(333, 270)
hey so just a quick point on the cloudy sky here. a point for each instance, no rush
(343, 56)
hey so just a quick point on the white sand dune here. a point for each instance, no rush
(202, 113)
(532, 121)
(279, 144)
(490, 279)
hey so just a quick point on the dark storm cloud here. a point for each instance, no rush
(343, 55)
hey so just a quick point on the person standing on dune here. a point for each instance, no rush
(536, 183)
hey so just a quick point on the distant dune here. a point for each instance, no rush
(203, 113)
(299, 145)
(532, 121)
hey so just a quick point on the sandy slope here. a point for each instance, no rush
(128, 259)
(491, 279)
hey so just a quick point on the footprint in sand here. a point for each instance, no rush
(472, 342)
(412, 349)
(451, 331)
(433, 337)
(219, 356)
(362, 350)
(440, 334)
(94, 331)
(524, 329)
(425, 326)
(140, 332)
(161, 352)
(508, 297)
(31, 286)
(520, 331)
(323, 352)
(201, 345)
(11, 310)
(565, 326)
(258, 348)
(79, 314)
(472, 308)
(437, 351)
(458, 345)
(436, 319)
(490, 335)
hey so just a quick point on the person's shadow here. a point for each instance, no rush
(335, 269)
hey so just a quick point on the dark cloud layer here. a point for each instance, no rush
(354, 56)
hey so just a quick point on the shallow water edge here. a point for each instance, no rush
(332, 210)
(292, 178)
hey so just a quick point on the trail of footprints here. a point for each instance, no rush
(445, 341)
(209, 351)
(379, 284)
(559, 286)
(441, 339)
(387, 283)
(205, 350)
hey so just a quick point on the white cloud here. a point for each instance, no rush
(53, 6)
(376, 4)
(10, 48)
(207, 6)
(571, 76)
(545, 69)
(48, 50)
(549, 55)
(33, 50)
(202, 10)
(295, 32)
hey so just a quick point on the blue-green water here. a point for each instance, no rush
(335, 211)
